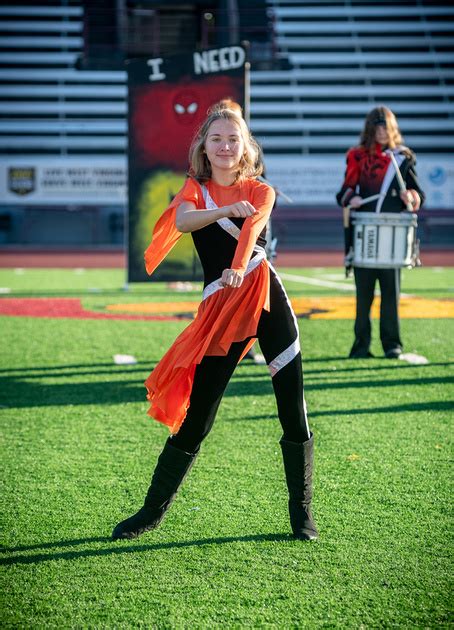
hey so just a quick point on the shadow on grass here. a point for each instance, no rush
(245, 369)
(118, 547)
(261, 385)
(325, 359)
(76, 366)
(252, 371)
(114, 369)
(106, 367)
(84, 366)
(440, 405)
(18, 393)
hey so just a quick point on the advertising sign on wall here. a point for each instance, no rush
(89, 180)
(168, 100)
(315, 179)
(63, 180)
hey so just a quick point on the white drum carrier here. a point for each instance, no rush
(384, 240)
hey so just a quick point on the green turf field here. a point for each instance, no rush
(79, 449)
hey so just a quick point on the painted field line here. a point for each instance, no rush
(343, 286)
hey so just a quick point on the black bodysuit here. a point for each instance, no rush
(279, 340)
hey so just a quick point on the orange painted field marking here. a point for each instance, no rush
(155, 307)
(342, 307)
(65, 308)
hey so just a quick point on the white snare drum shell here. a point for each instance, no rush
(384, 240)
(385, 253)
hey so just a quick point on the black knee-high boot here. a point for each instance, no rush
(172, 467)
(298, 465)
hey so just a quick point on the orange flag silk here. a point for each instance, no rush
(226, 316)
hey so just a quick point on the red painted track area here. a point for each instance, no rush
(115, 259)
(63, 308)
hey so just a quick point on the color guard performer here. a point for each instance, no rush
(372, 171)
(226, 209)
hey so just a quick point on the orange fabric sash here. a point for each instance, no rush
(227, 316)
(165, 237)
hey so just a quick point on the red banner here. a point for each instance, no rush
(168, 100)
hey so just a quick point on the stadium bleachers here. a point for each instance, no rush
(342, 58)
(335, 59)
(47, 105)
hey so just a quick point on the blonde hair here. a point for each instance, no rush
(250, 165)
(226, 103)
(384, 114)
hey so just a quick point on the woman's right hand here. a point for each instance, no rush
(240, 210)
(355, 202)
(231, 278)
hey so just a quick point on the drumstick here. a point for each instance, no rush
(371, 198)
(278, 191)
(282, 194)
(366, 200)
(400, 179)
(346, 212)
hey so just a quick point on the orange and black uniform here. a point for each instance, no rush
(186, 387)
(371, 172)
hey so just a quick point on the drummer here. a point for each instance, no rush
(370, 171)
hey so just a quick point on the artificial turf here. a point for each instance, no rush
(79, 450)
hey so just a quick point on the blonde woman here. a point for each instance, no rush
(371, 172)
(226, 209)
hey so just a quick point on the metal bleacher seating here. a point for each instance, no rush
(342, 58)
(48, 106)
(336, 60)
(345, 57)
(51, 109)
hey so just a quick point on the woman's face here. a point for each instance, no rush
(224, 145)
(381, 135)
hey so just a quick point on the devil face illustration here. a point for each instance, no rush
(165, 116)
(185, 106)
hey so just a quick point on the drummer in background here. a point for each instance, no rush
(370, 171)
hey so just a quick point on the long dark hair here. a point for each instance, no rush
(380, 115)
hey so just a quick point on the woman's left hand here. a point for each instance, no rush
(411, 197)
(231, 278)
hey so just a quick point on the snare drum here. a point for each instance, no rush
(385, 240)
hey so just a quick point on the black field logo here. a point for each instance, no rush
(21, 180)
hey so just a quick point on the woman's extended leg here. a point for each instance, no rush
(210, 380)
(278, 334)
(180, 450)
(279, 339)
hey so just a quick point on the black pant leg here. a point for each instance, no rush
(278, 334)
(210, 380)
(365, 287)
(279, 340)
(389, 280)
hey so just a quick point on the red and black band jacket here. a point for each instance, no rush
(371, 172)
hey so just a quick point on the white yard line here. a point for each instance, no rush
(317, 282)
(343, 286)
